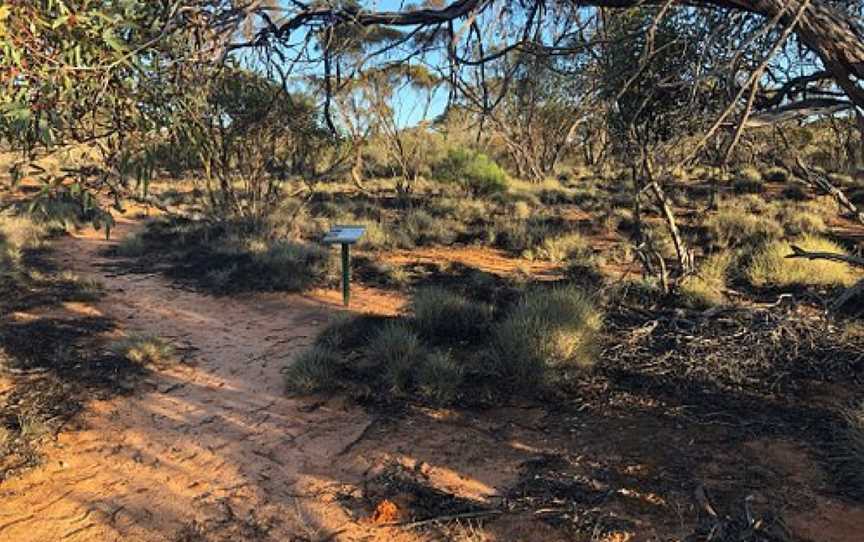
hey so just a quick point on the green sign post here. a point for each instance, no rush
(345, 236)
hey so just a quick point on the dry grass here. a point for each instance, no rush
(18, 233)
(549, 328)
(771, 267)
(567, 247)
(737, 224)
(146, 350)
(707, 287)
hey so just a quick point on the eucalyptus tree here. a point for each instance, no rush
(108, 73)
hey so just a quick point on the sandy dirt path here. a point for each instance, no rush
(212, 441)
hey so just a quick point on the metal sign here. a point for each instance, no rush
(345, 236)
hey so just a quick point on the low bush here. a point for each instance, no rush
(439, 313)
(556, 327)
(146, 350)
(474, 171)
(314, 370)
(706, 288)
(770, 266)
(744, 186)
(285, 266)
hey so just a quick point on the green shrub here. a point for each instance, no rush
(474, 171)
(146, 349)
(439, 378)
(397, 352)
(567, 247)
(441, 313)
(706, 288)
(314, 370)
(556, 327)
(771, 267)
(735, 224)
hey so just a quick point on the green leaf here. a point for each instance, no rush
(112, 41)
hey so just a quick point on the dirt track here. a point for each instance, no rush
(211, 440)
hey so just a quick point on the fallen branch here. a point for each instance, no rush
(798, 252)
(820, 181)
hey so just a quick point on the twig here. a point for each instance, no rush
(449, 517)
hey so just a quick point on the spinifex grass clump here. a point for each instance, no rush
(771, 267)
(397, 353)
(314, 370)
(146, 350)
(450, 349)
(707, 287)
(441, 314)
(553, 328)
(737, 224)
(230, 256)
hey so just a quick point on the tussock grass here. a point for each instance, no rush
(800, 219)
(737, 224)
(18, 233)
(443, 314)
(132, 246)
(775, 175)
(146, 350)
(706, 288)
(557, 327)
(398, 352)
(567, 247)
(770, 266)
(750, 174)
(439, 378)
(314, 370)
